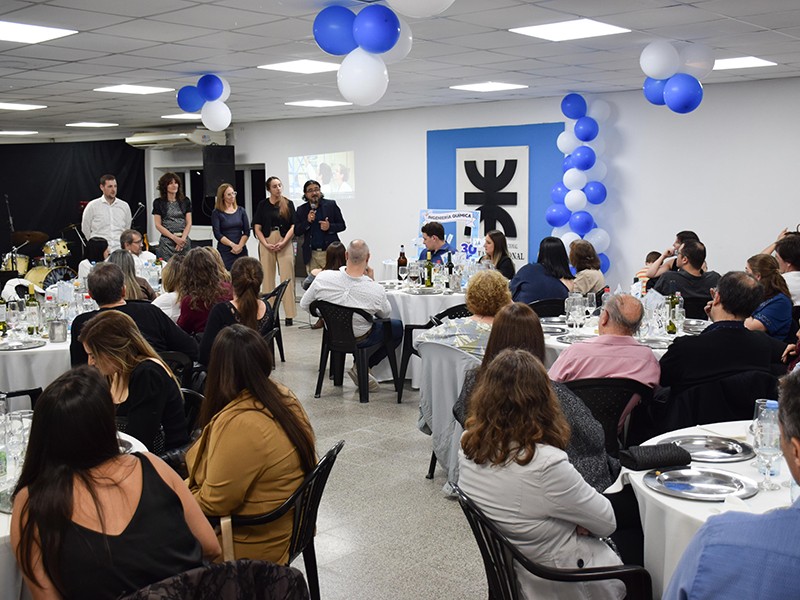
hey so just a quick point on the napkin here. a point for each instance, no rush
(644, 458)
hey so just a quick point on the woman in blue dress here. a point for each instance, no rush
(230, 224)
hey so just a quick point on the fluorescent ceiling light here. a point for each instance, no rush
(743, 62)
(90, 124)
(18, 132)
(318, 103)
(30, 34)
(15, 106)
(306, 67)
(488, 86)
(184, 116)
(134, 89)
(570, 30)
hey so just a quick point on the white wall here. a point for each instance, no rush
(722, 171)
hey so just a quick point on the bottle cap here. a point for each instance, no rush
(772, 404)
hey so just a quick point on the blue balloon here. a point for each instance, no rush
(333, 30)
(583, 158)
(573, 106)
(567, 163)
(210, 87)
(654, 90)
(586, 129)
(605, 263)
(558, 193)
(595, 192)
(189, 99)
(557, 215)
(683, 93)
(376, 29)
(581, 222)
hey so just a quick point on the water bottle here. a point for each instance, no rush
(606, 295)
(50, 311)
(88, 304)
(768, 420)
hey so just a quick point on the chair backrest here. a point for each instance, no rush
(32, 393)
(339, 324)
(499, 556)
(459, 311)
(695, 308)
(275, 297)
(305, 501)
(192, 401)
(607, 397)
(550, 307)
(180, 364)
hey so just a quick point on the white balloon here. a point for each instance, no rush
(597, 173)
(659, 60)
(598, 238)
(598, 144)
(559, 231)
(697, 60)
(403, 46)
(568, 238)
(420, 9)
(567, 142)
(575, 179)
(599, 110)
(216, 115)
(226, 89)
(575, 200)
(362, 78)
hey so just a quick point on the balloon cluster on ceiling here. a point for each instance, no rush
(581, 186)
(371, 39)
(208, 96)
(673, 78)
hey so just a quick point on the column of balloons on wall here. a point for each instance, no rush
(581, 186)
(673, 78)
(208, 96)
(371, 39)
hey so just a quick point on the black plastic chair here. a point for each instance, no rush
(274, 298)
(607, 397)
(338, 337)
(32, 393)
(182, 366)
(454, 312)
(305, 502)
(550, 307)
(499, 556)
(192, 401)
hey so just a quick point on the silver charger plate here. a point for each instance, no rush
(11, 345)
(561, 319)
(571, 338)
(706, 485)
(695, 324)
(554, 329)
(713, 449)
(656, 343)
(423, 291)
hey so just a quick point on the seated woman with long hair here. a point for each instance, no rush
(170, 299)
(518, 326)
(203, 287)
(146, 394)
(257, 444)
(136, 288)
(588, 277)
(549, 277)
(513, 466)
(246, 307)
(496, 248)
(774, 314)
(89, 521)
(96, 252)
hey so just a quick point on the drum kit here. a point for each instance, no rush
(44, 271)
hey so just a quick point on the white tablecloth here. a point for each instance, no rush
(552, 347)
(670, 523)
(25, 369)
(412, 309)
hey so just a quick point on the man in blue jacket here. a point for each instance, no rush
(319, 221)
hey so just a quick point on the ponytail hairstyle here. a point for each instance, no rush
(246, 277)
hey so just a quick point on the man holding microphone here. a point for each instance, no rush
(319, 221)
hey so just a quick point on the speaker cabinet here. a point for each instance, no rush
(218, 167)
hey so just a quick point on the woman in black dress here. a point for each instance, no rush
(172, 215)
(230, 225)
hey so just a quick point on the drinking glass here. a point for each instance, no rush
(768, 447)
(678, 317)
(413, 273)
(18, 428)
(402, 273)
(591, 303)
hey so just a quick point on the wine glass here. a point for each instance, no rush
(591, 304)
(413, 273)
(678, 317)
(402, 273)
(18, 428)
(767, 442)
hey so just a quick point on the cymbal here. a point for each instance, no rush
(32, 237)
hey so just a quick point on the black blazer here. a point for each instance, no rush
(326, 209)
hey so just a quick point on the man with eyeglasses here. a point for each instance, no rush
(132, 241)
(319, 221)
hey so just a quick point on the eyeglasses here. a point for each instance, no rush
(139, 241)
(312, 189)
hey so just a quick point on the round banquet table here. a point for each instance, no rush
(416, 310)
(552, 347)
(669, 523)
(11, 586)
(38, 367)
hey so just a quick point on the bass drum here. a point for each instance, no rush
(44, 277)
(20, 260)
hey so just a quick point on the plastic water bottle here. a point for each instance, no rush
(50, 311)
(768, 420)
(606, 295)
(88, 304)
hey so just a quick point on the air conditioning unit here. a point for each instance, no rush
(177, 139)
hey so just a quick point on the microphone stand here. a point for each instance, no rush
(136, 214)
(10, 218)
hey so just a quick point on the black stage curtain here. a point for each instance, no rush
(45, 184)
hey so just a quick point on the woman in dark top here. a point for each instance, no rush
(517, 326)
(172, 215)
(774, 314)
(146, 394)
(549, 277)
(230, 225)
(496, 248)
(89, 521)
(273, 225)
(246, 308)
(202, 288)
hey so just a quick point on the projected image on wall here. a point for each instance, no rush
(335, 172)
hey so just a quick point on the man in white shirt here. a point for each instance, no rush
(107, 216)
(351, 286)
(787, 251)
(132, 241)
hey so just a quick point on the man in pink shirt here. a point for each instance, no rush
(614, 353)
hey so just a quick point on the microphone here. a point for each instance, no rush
(141, 205)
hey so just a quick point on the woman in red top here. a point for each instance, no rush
(203, 288)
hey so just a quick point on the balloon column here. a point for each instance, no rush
(673, 78)
(372, 39)
(208, 96)
(581, 186)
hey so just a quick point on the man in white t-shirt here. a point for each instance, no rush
(107, 216)
(351, 286)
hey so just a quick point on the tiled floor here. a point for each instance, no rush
(384, 531)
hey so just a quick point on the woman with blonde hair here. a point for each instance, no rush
(774, 314)
(202, 288)
(147, 396)
(273, 225)
(230, 225)
(513, 466)
(588, 277)
(172, 216)
(170, 299)
(136, 288)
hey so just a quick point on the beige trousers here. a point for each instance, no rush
(284, 260)
(317, 260)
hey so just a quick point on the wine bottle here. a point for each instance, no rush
(402, 261)
(32, 311)
(429, 271)
(3, 317)
(449, 266)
